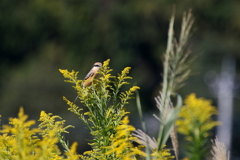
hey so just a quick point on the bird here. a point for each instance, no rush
(91, 75)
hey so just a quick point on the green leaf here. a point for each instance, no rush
(170, 122)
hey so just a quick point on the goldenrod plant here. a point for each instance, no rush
(121, 142)
(195, 123)
(49, 123)
(105, 103)
(21, 141)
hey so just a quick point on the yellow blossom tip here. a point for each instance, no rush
(106, 63)
(86, 113)
(134, 88)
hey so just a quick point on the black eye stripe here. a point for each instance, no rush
(98, 64)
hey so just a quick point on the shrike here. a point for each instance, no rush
(91, 75)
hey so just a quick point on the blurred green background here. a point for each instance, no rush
(38, 37)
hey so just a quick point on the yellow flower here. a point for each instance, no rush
(195, 117)
(122, 147)
(20, 141)
(72, 155)
(50, 122)
(72, 76)
(163, 154)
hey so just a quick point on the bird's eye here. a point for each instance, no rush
(96, 65)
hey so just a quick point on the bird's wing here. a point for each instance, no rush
(90, 74)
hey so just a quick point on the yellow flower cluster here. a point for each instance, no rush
(19, 141)
(49, 123)
(196, 117)
(71, 76)
(163, 154)
(121, 146)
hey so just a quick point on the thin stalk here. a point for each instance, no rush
(143, 123)
(165, 93)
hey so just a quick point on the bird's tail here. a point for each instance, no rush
(76, 99)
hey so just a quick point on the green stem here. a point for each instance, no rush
(165, 93)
